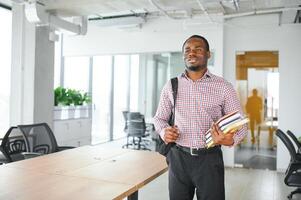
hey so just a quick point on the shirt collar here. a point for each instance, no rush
(206, 75)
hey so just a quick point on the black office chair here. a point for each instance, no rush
(293, 173)
(136, 129)
(295, 139)
(41, 138)
(13, 145)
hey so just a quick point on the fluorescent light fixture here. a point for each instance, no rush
(119, 21)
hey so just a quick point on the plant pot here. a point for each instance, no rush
(71, 112)
(57, 112)
(60, 112)
(80, 111)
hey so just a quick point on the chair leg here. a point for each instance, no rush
(296, 191)
(127, 143)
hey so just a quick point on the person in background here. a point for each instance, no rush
(253, 108)
(202, 99)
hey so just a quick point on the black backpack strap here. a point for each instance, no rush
(174, 85)
(161, 147)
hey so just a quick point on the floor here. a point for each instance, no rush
(260, 155)
(240, 184)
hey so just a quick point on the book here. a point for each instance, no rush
(228, 123)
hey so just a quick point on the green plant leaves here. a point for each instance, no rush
(67, 96)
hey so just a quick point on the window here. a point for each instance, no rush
(5, 57)
(134, 86)
(272, 94)
(121, 92)
(101, 94)
(76, 75)
(124, 69)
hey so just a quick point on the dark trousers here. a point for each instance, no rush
(203, 174)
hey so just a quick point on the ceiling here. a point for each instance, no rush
(175, 9)
(171, 8)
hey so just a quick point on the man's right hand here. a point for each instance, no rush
(171, 134)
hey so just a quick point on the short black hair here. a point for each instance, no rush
(199, 37)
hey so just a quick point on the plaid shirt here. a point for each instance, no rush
(199, 103)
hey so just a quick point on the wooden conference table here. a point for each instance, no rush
(88, 172)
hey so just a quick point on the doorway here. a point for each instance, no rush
(258, 89)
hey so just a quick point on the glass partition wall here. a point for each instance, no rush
(120, 83)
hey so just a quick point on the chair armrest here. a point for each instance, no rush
(150, 129)
(150, 126)
(293, 167)
(62, 148)
(28, 155)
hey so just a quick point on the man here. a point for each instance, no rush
(253, 108)
(202, 99)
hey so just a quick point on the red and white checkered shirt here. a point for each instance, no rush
(199, 103)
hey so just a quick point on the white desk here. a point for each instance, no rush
(88, 172)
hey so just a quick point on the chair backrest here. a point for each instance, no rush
(134, 116)
(288, 143)
(294, 138)
(135, 124)
(14, 144)
(40, 138)
(129, 116)
(125, 115)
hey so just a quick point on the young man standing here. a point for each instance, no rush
(202, 99)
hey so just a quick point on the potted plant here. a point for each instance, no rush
(61, 103)
(70, 103)
(82, 101)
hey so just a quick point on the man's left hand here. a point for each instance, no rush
(220, 138)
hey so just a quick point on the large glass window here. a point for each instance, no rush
(272, 94)
(119, 83)
(101, 92)
(76, 74)
(121, 92)
(5, 73)
(134, 86)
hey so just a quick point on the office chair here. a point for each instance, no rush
(136, 129)
(293, 173)
(13, 145)
(296, 141)
(41, 138)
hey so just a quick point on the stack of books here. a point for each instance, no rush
(227, 124)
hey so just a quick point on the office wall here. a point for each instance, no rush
(160, 35)
(264, 33)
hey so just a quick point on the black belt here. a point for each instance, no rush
(197, 151)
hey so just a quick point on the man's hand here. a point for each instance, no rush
(171, 134)
(220, 138)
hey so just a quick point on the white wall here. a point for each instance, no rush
(163, 35)
(263, 33)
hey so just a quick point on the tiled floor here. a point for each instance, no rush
(240, 184)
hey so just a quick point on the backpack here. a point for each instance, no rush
(163, 148)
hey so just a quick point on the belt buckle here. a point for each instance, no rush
(191, 152)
